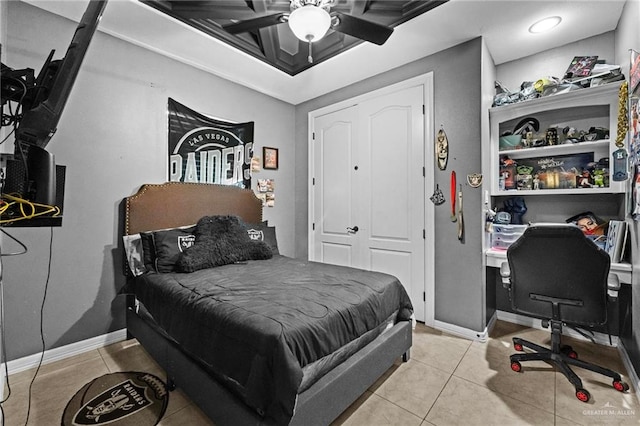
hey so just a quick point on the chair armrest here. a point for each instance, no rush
(505, 273)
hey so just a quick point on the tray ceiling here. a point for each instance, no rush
(277, 45)
(502, 24)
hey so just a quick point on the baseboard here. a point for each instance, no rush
(62, 352)
(599, 338)
(466, 333)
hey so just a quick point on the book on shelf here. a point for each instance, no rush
(616, 240)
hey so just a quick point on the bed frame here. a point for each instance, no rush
(175, 204)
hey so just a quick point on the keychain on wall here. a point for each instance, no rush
(442, 149)
(438, 197)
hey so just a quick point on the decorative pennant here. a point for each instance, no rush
(442, 149)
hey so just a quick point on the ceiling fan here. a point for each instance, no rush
(311, 19)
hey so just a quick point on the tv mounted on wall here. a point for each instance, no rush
(32, 174)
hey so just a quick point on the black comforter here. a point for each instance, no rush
(258, 323)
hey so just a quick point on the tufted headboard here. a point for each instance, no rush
(173, 204)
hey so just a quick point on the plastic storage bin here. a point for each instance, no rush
(502, 236)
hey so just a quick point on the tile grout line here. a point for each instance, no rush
(497, 391)
(435, 401)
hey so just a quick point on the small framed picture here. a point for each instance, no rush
(269, 158)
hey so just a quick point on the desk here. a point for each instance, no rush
(622, 270)
(618, 311)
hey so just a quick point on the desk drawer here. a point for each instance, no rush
(502, 236)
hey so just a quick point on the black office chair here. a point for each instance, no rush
(556, 274)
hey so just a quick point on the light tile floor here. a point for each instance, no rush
(448, 381)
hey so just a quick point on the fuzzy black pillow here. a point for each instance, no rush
(221, 240)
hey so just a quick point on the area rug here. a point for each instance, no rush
(122, 399)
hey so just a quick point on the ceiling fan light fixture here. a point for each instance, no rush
(545, 25)
(309, 23)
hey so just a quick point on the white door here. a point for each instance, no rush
(335, 205)
(368, 188)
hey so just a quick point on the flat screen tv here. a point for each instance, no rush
(32, 173)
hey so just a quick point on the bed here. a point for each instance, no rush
(287, 356)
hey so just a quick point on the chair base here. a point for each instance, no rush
(562, 357)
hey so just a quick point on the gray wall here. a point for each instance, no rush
(113, 137)
(554, 62)
(457, 98)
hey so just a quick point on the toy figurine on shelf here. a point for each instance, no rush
(598, 178)
(551, 137)
(524, 179)
(508, 173)
(584, 180)
(536, 181)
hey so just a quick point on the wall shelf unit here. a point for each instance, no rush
(581, 109)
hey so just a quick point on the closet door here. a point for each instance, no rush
(391, 200)
(335, 185)
(368, 188)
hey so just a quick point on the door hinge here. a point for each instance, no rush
(424, 296)
(424, 172)
(423, 110)
(424, 234)
(313, 181)
(313, 226)
(313, 135)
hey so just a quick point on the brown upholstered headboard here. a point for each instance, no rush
(173, 204)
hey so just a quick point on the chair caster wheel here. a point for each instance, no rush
(171, 385)
(516, 366)
(583, 395)
(620, 386)
(568, 351)
(518, 347)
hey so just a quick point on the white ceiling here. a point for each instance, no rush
(504, 25)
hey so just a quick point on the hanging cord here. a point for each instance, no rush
(44, 298)
(28, 209)
(14, 118)
(623, 114)
(310, 57)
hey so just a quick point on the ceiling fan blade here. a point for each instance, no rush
(362, 29)
(254, 24)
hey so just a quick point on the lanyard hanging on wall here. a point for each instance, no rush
(453, 196)
(620, 156)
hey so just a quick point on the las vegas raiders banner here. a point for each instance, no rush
(205, 150)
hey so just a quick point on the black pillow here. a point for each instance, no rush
(172, 242)
(265, 233)
(169, 244)
(221, 240)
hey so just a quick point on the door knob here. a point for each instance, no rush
(352, 230)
